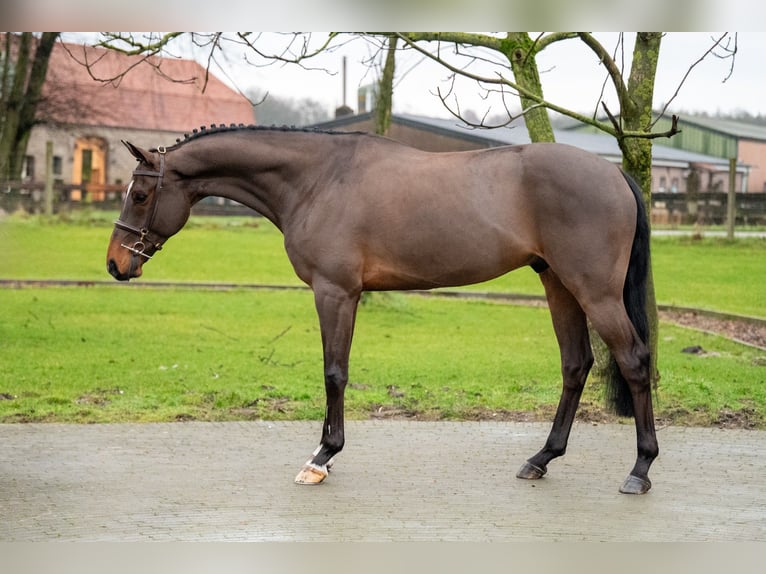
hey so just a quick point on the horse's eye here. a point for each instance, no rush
(139, 196)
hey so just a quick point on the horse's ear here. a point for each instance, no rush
(138, 153)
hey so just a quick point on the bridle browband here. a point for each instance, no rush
(145, 232)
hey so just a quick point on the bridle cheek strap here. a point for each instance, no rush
(139, 246)
(145, 232)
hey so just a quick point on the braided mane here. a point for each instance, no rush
(216, 129)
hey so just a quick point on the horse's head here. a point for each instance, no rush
(155, 208)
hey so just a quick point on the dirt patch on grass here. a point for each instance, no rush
(588, 412)
(753, 334)
(99, 397)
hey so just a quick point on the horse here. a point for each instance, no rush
(361, 212)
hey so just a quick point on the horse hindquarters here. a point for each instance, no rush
(618, 314)
(623, 325)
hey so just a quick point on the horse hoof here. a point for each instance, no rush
(529, 471)
(635, 485)
(311, 474)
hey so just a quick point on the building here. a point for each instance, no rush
(725, 138)
(149, 101)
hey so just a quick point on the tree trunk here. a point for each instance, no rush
(20, 105)
(385, 95)
(637, 152)
(13, 103)
(519, 48)
(27, 115)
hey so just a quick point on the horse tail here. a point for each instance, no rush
(618, 395)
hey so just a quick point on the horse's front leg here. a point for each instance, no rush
(336, 308)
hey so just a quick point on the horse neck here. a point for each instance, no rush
(268, 171)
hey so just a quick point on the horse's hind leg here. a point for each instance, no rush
(337, 313)
(570, 326)
(611, 321)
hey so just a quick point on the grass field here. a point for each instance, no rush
(115, 353)
(119, 354)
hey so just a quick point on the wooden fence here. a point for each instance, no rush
(30, 198)
(707, 208)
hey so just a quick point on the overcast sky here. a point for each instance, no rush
(572, 77)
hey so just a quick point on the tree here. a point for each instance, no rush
(25, 60)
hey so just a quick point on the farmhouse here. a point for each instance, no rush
(150, 102)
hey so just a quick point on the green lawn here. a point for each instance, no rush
(107, 353)
(116, 353)
(712, 274)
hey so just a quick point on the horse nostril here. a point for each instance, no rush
(113, 270)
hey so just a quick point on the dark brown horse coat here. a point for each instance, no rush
(360, 212)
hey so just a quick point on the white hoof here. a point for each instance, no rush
(311, 474)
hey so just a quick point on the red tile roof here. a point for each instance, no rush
(144, 98)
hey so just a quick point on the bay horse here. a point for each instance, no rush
(361, 213)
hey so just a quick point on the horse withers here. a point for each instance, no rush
(361, 212)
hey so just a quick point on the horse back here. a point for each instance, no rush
(400, 218)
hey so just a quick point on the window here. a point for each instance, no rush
(58, 165)
(87, 165)
(28, 171)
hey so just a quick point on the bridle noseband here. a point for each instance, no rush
(145, 232)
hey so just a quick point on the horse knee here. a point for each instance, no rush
(335, 379)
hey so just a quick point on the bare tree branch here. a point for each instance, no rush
(648, 135)
(482, 124)
(465, 38)
(730, 53)
(150, 58)
(543, 41)
(614, 72)
(289, 55)
(613, 128)
(709, 51)
(412, 39)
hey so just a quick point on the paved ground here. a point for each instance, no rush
(396, 481)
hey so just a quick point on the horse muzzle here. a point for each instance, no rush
(123, 262)
(133, 269)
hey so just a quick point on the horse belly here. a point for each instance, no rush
(451, 261)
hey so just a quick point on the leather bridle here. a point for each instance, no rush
(145, 233)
